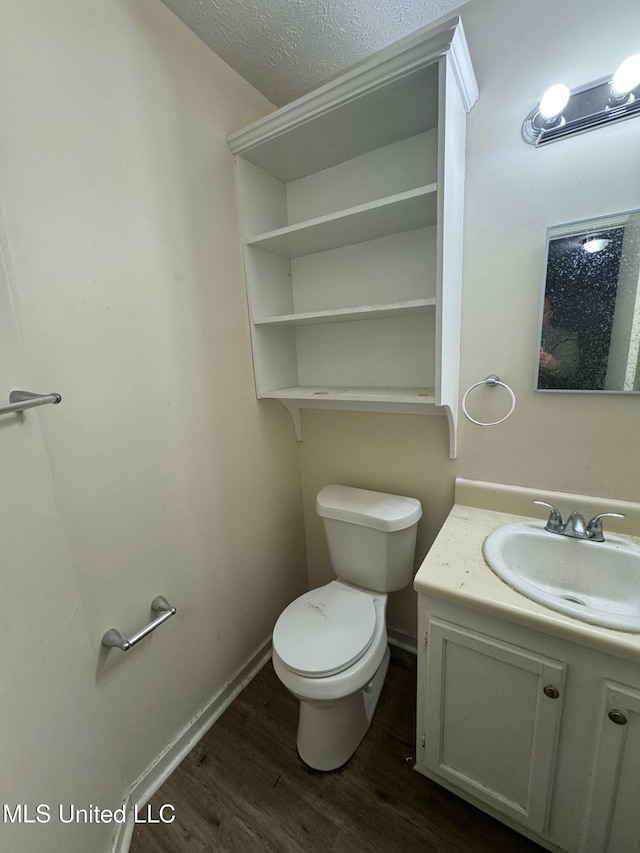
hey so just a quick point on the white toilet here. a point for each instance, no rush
(330, 645)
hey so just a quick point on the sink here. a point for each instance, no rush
(595, 582)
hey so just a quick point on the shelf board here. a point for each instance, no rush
(401, 212)
(303, 395)
(343, 315)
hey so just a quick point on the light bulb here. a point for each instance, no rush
(627, 76)
(554, 100)
(595, 244)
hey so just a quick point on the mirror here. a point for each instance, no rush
(590, 317)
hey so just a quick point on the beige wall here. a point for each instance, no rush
(577, 443)
(121, 237)
(54, 727)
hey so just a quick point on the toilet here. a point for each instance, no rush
(330, 645)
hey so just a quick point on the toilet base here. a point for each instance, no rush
(329, 732)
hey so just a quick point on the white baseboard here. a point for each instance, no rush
(164, 765)
(402, 640)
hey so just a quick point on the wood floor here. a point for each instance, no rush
(243, 789)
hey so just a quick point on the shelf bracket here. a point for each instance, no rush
(452, 418)
(294, 413)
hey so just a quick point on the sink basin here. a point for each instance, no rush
(595, 582)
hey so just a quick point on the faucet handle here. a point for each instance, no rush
(594, 528)
(554, 522)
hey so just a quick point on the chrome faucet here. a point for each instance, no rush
(575, 526)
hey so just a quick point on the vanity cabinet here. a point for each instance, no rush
(613, 814)
(542, 733)
(493, 714)
(351, 205)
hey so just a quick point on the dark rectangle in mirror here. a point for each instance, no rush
(590, 318)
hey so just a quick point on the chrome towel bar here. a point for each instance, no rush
(21, 400)
(113, 637)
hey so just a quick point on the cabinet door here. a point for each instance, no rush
(613, 814)
(492, 719)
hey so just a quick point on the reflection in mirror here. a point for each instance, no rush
(590, 325)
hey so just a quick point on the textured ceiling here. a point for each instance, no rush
(286, 47)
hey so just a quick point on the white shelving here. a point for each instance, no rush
(351, 202)
(341, 315)
(380, 218)
(396, 396)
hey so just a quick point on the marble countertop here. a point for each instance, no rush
(455, 570)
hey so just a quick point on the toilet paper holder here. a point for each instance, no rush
(114, 639)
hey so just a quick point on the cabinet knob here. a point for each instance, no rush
(617, 717)
(551, 691)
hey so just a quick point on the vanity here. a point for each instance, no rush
(530, 714)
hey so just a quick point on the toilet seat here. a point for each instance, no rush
(325, 631)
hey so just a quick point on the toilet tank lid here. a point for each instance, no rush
(369, 509)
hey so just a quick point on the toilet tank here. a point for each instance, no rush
(371, 536)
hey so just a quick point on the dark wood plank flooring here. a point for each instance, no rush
(244, 789)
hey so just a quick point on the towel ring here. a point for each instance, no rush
(491, 380)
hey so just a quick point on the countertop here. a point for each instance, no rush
(455, 570)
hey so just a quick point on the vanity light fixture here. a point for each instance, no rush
(564, 112)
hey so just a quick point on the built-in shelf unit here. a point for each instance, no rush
(351, 203)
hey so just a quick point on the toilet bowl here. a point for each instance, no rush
(330, 645)
(335, 667)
